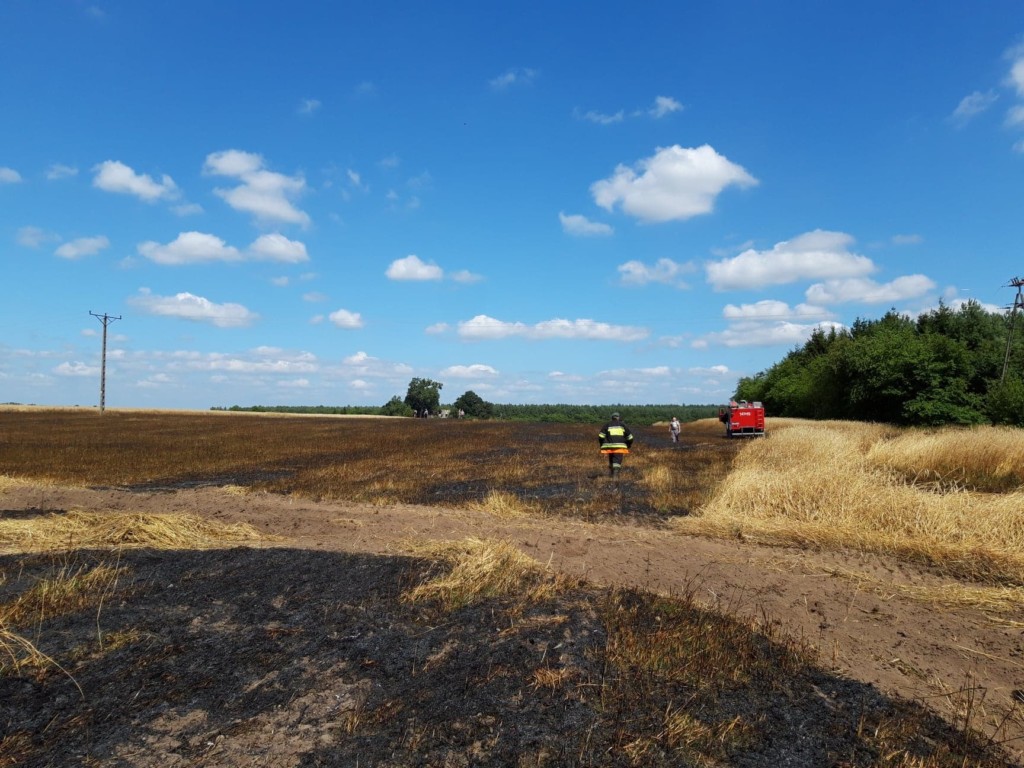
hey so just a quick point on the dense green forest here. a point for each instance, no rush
(945, 367)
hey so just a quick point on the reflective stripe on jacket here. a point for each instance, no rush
(615, 438)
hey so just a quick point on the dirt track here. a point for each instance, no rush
(916, 650)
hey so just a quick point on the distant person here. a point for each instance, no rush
(615, 440)
(674, 428)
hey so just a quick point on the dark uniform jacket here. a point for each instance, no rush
(615, 437)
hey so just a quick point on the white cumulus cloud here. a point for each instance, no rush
(115, 176)
(813, 255)
(187, 306)
(363, 365)
(664, 271)
(676, 183)
(201, 247)
(277, 247)
(83, 246)
(189, 248)
(265, 194)
(764, 334)
(259, 363)
(484, 327)
(77, 369)
(475, 371)
(9, 175)
(343, 318)
(413, 268)
(714, 370)
(772, 309)
(664, 105)
(581, 226)
(868, 291)
(514, 76)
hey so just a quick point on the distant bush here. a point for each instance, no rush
(396, 407)
(1004, 403)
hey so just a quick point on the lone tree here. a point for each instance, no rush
(474, 406)
(424, 395)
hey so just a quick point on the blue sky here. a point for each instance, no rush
(313, 202)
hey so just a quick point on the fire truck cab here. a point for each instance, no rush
(742, 419)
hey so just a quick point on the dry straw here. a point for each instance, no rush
(506, 506)
(838, 484)
(982, 458)
(103, 530)
(480, 569)
(18, 653)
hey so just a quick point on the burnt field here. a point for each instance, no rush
(536, 468)
(189, 589)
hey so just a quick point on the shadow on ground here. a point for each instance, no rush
(295, 658)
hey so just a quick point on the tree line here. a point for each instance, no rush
(423, 397)
(945, 367)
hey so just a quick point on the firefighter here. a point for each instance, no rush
(615, 440)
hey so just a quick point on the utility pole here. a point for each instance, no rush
(1018, 303)
(106, 320)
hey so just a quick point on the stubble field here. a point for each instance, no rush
(199, 589)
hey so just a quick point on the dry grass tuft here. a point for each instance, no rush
(71, 588)
(660, 480)
(550, 678)
(18, 654)
(986, 598)
(506, 505)
(103, 530)
(479, 569)
(686, 733)
(8, 483)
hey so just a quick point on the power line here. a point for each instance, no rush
(106, 320)
(1018, 303)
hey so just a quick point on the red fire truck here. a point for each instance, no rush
(742, 419)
